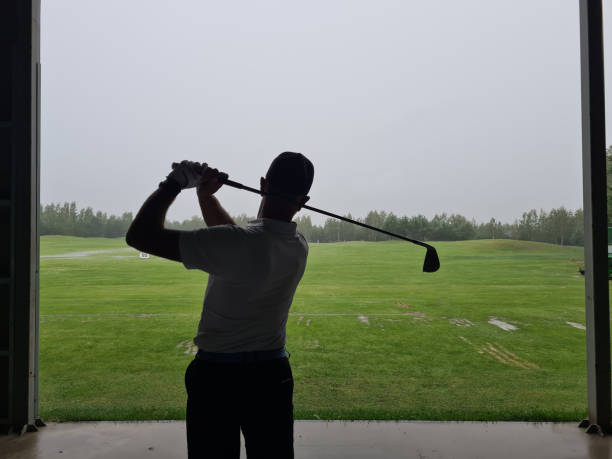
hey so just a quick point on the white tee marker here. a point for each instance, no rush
(501, 324)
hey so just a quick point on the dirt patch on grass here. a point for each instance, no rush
(308, 343)
(312, 344)
(190, 347)
(416, 315)
(501, 354)
(461, 322)
(501, 324)
(380, 322)
(301, 318)
(364, 319)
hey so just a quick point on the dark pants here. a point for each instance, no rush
(223, 398)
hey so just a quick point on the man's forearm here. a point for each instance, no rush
(149, 221)
(213, 212)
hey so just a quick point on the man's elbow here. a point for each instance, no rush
(130, 239)
(143, 239)
(134, 239)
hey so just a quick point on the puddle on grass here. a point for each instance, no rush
(84, 253)
(501, 324)
(363, 319)
(461, 322)
(190, 347)
(501, 354)
(576, 325)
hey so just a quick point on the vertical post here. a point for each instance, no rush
(595, 217)
(34, 210)
(19, 203)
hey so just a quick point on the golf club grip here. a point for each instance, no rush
(240, 186)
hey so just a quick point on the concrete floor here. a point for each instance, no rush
(321, 440)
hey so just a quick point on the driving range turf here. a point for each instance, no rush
(370, 335)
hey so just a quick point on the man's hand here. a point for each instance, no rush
(210, 182)
(187, 173)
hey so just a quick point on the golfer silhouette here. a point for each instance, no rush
(240, 378)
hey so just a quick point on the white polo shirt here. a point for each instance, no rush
(254, 272)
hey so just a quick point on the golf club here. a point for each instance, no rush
(431, 264)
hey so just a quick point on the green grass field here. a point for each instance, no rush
(370, 335)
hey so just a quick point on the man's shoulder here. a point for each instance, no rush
(217, 233)
(227, 228)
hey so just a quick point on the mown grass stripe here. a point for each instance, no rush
(145, 315)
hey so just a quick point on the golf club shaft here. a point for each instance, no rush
(240, 186)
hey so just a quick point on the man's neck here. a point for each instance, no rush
(265, 212)
(283, 218)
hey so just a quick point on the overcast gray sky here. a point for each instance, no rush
(469, 107)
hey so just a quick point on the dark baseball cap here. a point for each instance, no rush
(290, 173)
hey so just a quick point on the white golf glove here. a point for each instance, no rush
(187, 173)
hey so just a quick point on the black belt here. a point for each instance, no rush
(241, 357)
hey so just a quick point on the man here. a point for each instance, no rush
(241, 378)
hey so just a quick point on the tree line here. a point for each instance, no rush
(558, 226)
(65, 219)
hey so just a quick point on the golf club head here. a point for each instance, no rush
(432, 262)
